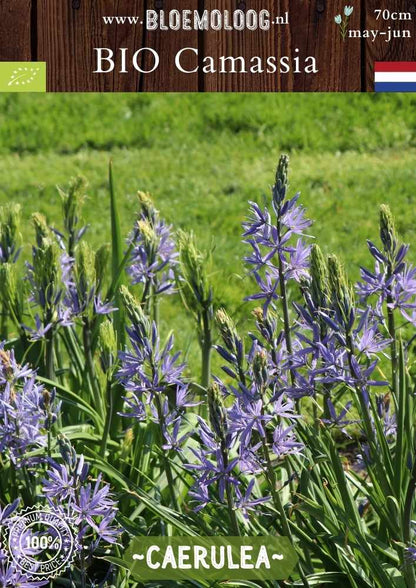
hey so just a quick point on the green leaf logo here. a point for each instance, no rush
(23, 76)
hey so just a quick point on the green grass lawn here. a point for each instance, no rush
(204, 156)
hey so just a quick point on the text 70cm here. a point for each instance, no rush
(388, 15)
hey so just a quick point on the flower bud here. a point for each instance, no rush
(227, 328)
(45, 274)
(72, 201)
(387, 230)
(107, 341)
(195, 288)
(68, 453)
(217, 412)
(101, 262)
(282, 182)
(134, 310)
(147, 232)
(9, 232)
(6, 369)
(42, 231)
(127, 443)
(258, 314)
(85, 271)
(260, 371)
(8, 284)
(342, 296)
(146, 205)
(319, 278)
(46, 400)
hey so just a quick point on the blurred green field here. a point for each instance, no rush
(204, 156)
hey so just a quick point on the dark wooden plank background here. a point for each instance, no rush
(16, 30)
(64, 32)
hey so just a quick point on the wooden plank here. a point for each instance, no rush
(398, 49)
(15, 30)
(68, 33)
(311, 29)
(240, 43)
(167, 43)
(314, 30)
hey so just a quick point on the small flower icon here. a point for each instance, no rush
(343, 23)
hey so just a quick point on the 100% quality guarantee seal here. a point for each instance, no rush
(40, 542)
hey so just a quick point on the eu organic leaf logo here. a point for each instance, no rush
(23, 76)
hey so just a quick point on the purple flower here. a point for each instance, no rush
(293, 217)
(273, 256)
(367, 337)
(93, 501)
(244, 420)
(154, 254)
(90, 505)
(247, 504)
(297, 268)
(101, 307)
(151, 369)
(411, 554)
(81, 289)
(333, 360)
(387, 417)
(339, 420)
(40, 331)
(284, 442)
(360, 378)
(9, 576)
(302, 385)
(214, 471)
(60, 483)
(150, 366)
(27, 409)
(284, 407)
(259, 222)
(268, 290)
(8, 510)
(373, 283)
(172, 439)
(200, 493)
(251, 460)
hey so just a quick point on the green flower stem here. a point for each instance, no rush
(285, 308)
(232, 512)
(82, 566)
(108, 418)
(146, 296)
(156, 309)
(393, 345)
(49, 360)
(409, 570)
(229, 493)
(285, 305)
(14, 484)
(364, 408)
(206, 346)
(271, 477)
(4, 321)
(89, 363)
(166, 462)
(344, 27)
(49, 436)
